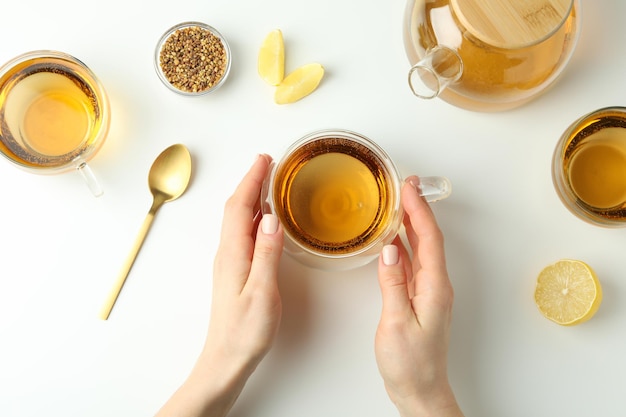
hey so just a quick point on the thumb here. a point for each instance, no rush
(393, 281)
(268, 249)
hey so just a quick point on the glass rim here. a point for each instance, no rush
(389, 166)
(565, 193)
(103, 101)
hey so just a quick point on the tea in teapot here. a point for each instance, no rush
(488, 55)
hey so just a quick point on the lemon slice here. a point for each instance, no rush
(299, 84)
(568, 292)
(271, 60)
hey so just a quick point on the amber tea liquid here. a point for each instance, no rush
(494, 78)
(333, 195)
(594, 165)
(49, 112)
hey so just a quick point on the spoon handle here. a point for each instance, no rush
(130, 260)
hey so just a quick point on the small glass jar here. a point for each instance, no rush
(194, 71)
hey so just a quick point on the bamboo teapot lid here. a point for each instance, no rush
(511, 23)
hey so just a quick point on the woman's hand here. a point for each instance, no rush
(246, 307)
(412, 336)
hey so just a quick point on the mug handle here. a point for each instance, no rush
(90, 179)
(435, 188)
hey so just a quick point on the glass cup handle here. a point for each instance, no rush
(89, 177)
(435, 188)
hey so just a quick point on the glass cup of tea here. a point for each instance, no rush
(589, 167)
(54, 114)
(337, 195)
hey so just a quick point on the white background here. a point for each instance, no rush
(61, 248)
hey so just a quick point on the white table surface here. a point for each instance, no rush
(61, 248)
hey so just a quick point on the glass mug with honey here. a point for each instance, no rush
(337, 195)
(54, 114)
(589, 167)
(488, 55)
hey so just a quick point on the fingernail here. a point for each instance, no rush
(263, 156)
(413, 184)
(269, 224)
(390, 255)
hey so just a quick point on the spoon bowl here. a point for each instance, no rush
(168, 179)
(170, 173)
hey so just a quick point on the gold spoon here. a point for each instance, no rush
(168, 180)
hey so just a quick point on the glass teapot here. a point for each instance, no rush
(488, 55)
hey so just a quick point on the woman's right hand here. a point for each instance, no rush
(412, 336)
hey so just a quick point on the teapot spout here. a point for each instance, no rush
(440, 67)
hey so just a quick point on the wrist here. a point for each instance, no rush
(221, 372)
(435, 403)
(212, 387)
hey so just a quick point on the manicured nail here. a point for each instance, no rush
(390, 255)
(269, 224)
(413, 184)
